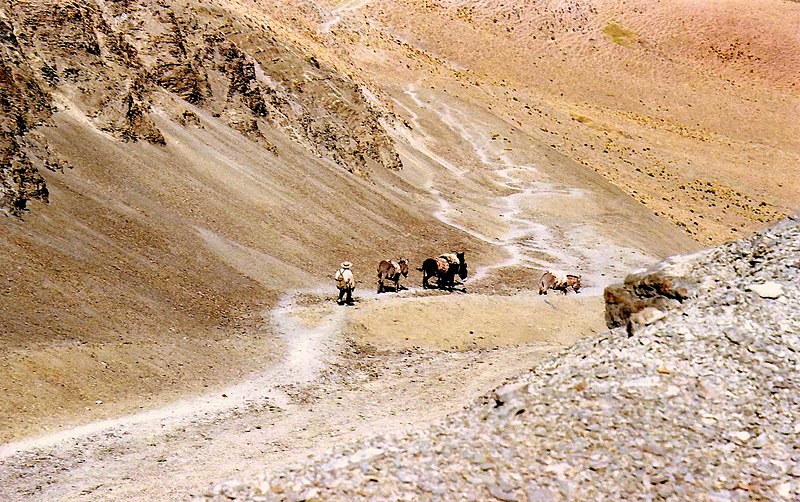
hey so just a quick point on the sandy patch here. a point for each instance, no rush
(460, 322)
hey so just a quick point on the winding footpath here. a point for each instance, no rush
(110, 450)
(529, 242)
(290, 409)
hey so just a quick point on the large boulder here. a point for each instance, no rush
(659, 288)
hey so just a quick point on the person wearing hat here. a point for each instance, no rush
(345, 283)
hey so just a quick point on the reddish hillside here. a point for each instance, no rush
(689, 108)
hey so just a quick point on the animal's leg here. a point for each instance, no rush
(547, 283)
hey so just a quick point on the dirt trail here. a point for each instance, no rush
(305, 349)
(102, 458)
(344, 373)
(529, 241)
(318, 396)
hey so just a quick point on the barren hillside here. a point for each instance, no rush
(195, 170)
(688, 107)
(179, 179)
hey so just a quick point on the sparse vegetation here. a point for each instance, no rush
(619, 35)
(580, 118)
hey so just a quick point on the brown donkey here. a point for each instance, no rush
(391, 271)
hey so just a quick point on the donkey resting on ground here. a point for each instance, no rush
(445, 268)
(559, 282)
(391, 270)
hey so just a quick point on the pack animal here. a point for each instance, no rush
(559, 282)
(389, 270)
(444, 268)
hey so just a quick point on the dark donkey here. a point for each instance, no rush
(391, 271)
(445, 268)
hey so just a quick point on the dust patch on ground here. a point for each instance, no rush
(85, 380)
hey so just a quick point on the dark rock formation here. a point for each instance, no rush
(114, 61)
(23, 105)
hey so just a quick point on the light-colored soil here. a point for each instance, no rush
(683, 106)
(330, 387)
(477, 321)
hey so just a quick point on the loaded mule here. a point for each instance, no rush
(389, 270)
(444, 268)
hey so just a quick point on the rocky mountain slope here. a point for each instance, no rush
(702, 404)
(111, 61)
(196, 166)
(174, 172)
(114, 61)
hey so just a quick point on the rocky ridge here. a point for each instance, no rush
(703, 404)
(119, 62)
(23, 105)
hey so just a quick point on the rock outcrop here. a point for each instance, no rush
(703, 404)
(656, 288)
(118, 62)
(23, 105)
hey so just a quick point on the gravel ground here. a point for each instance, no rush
(701, 405)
